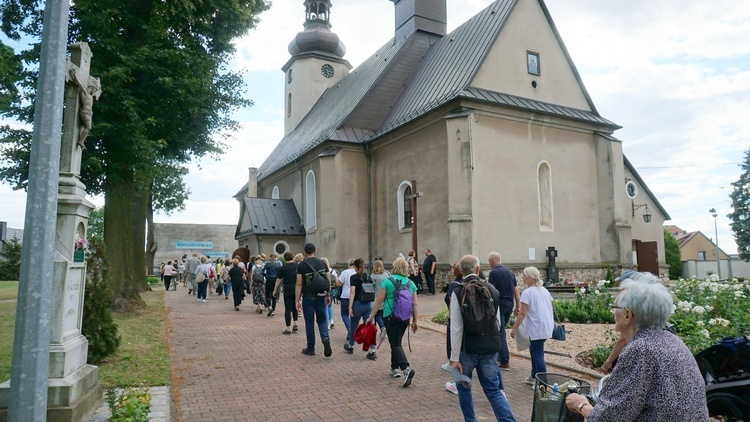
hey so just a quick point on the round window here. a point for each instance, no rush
(281, 247)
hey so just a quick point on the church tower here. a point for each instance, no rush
(316, 64)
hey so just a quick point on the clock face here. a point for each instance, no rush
(327, 70)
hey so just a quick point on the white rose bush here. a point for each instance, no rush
(707, 310)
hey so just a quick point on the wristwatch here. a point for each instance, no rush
(580, 406)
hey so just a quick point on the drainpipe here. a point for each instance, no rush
(369, 205)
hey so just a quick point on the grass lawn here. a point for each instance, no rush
(8, 290)
(143, 357)
(7, 324)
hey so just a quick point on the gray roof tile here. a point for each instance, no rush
(271, 216)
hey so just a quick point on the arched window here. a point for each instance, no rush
(310, 201)
(275, 193)
(544, 189)
(404, 205)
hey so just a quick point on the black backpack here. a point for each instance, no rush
(319, 285)
(258, 275)
(478, 307)
(368, 289)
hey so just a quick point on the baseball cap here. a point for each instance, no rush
(309, 248)
(626, 275)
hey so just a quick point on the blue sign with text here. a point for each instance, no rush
(193, 244)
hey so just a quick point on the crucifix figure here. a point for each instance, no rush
(552, 275)
(80, 94)
(87, 94)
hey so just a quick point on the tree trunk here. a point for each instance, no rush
(140, 205)
(151, 247)
(124, 268)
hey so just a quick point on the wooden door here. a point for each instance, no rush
(648, 257)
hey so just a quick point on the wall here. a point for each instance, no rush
(699, 242)
(505, 68)
(166, 236)
(729, 268)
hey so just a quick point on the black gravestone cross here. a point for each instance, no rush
(552, 276)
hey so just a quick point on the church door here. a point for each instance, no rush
(648, 257)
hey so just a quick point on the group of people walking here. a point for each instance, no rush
(386, 303)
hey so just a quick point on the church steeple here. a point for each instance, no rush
(317, 36)
(316, 64)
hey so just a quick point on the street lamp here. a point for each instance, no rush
(646, 212)
(716, 233)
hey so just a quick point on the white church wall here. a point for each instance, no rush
(411, 155)
(343, 205)
(506, 156)
(642, 231)
(505, 68)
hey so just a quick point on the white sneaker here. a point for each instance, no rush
(447, 368)
(529, 381)
(197, 300)
(204, 300)
(451, 386)
(395, 373)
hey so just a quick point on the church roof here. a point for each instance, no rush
(270, 217)
(411, 76)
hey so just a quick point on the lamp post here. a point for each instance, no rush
(716, 233)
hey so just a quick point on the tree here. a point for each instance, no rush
(96, 224)
(673, 255)
(10, 259)
(10, 71)
(167, 94)
(741, 215)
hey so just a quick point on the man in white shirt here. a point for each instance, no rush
(343, 282)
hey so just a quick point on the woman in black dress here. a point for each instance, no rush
(235, 277)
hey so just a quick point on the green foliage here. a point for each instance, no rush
(96, 224)
(705, 311)
(10, 72)
(602, 350)
(132, 405)
(741, 204)
(442, 316)
(591, 304)
(168, 95)
(98, 326)
(153, 280)
(10, 260)
(609, 276)
(673, 255)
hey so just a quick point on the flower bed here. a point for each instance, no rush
(705, 311)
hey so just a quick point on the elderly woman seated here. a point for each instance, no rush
(656, 377)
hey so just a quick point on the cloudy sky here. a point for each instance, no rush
(674, 73)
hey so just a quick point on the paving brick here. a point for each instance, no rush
(237, 366)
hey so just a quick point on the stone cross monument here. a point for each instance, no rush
(73, 388)
(73, 384)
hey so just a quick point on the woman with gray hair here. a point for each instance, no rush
(536, 317)
(656, 377)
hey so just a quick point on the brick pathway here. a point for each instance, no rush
(237, 366)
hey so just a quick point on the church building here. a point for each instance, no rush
(483, 139)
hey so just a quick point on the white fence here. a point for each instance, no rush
(729, 268)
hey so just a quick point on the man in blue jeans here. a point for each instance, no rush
(313, 305)
(504, 281)
(478, 351)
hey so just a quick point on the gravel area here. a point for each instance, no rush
(580, 338)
